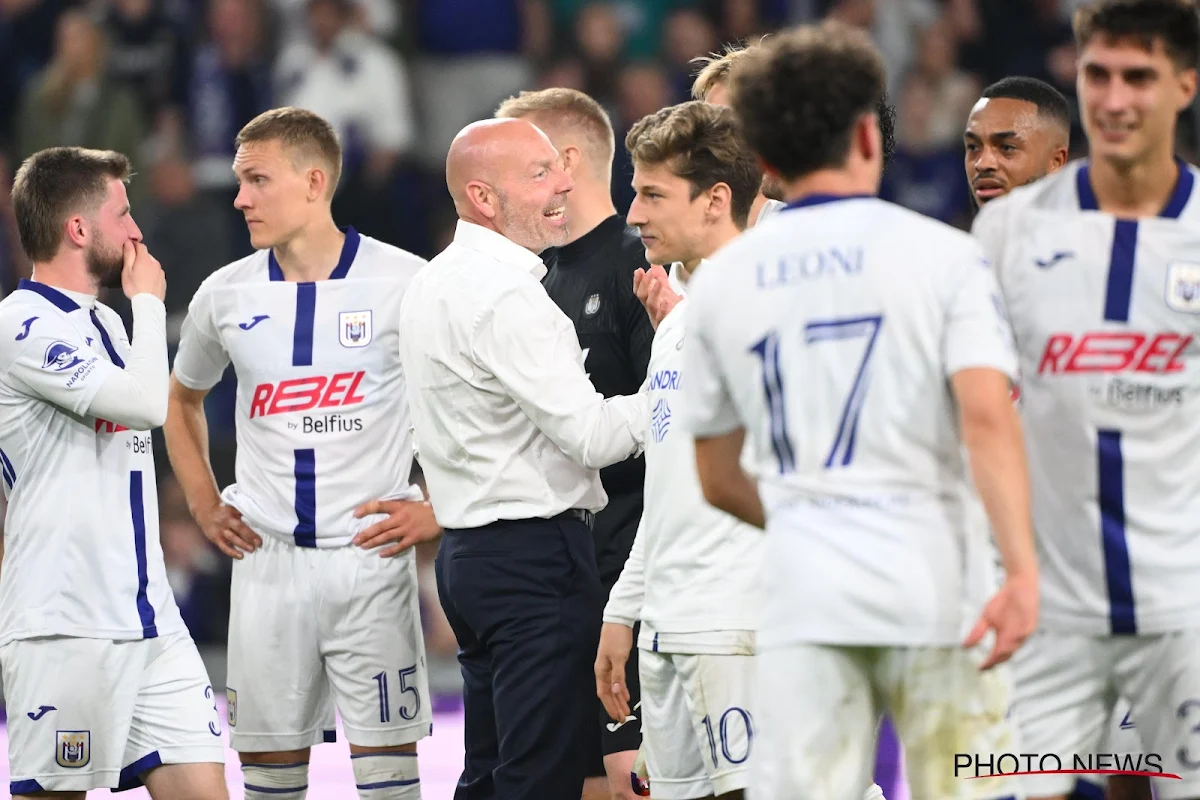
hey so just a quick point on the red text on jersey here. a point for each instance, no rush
(104, 426)
(1114, 351)
(305, 394)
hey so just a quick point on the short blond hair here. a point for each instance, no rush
(716, 69)
(558, 108)
(304, 132)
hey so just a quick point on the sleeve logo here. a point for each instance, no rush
(61, 357)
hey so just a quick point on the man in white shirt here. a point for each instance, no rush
(1097, 263)
(103, 684)
(858, 350)
(324, 609)
(511, 435)
(692, 575)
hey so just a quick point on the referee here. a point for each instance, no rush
(591, 279)
(511, 434)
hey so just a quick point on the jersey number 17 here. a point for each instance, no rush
(841, 453)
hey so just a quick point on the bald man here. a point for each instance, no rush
(511, 436)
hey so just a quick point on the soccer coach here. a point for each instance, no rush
(511, 434)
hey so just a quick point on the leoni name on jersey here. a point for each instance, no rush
(305, 394)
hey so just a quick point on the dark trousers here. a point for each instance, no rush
(525, 602)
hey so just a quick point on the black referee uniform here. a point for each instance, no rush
(591, 280)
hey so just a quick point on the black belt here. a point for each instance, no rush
(579, 515)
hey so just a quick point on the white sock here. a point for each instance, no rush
(386, 776)
(275, 781)
(874, 793)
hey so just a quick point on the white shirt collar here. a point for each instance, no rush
(676, 281)
(496, 245)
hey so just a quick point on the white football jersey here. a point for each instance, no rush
(696, 568)
(82, 555)
(829, 332)
(322, 421)
(1105, 314)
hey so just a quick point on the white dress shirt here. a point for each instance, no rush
(507, 424)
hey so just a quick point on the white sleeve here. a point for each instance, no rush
(201, 359)
(530, 346)
(53, 364)
(977, 331)
(629, 592)
(708, 409)
(390, 124)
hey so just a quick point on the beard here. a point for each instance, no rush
(105, 265)
(530, 233)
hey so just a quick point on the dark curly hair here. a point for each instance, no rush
(703, 144)
(1176, 23)
(800, 93)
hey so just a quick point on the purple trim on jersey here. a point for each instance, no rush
(306, 315)
(131, 776)
(107, 342)
(1180, 195)
(306, 498)
(387, 784)
(1119, 291)
(1111, 485)
(349, 251)
(24, 787)
(1086, 790)
(6, 468)
(822, 199)
(137, 508)
(329, 737)
(56, 297)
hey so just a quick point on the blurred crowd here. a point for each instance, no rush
(170, 82)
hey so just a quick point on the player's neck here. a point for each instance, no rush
(1134, 190)
(718, 236)
(835, 182)
(760, 200)
(587, 206)
(311, 255)
(66, 271)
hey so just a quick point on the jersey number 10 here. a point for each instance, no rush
(767, 349)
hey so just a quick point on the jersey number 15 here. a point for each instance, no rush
(767, 349)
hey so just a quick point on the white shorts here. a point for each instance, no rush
(95, 713)
(821, 707)
(697, 727)
(1067, 689)
(309, 627)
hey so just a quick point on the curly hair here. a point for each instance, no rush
(1176, 23)
(703, 144)
(800, 94)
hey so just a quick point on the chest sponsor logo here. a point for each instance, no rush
(1114, 351)
(354, 328)
(305, 394)
(1183, 287)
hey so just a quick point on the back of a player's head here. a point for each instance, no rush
(55, 184)
(801, 94)
(1051, 104)
(307, 137)
(704, 145)
(1174, 23)
(563, 113)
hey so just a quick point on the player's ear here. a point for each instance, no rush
(570, 157)
(76, 231)
(720, 201)
(1187, 85)
(317, 180)
(868, 139)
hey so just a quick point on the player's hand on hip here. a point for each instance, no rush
(223, 526)
(654, 290)
(408, 523)
(142, 273)
(615, 643)
(1012, 613)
